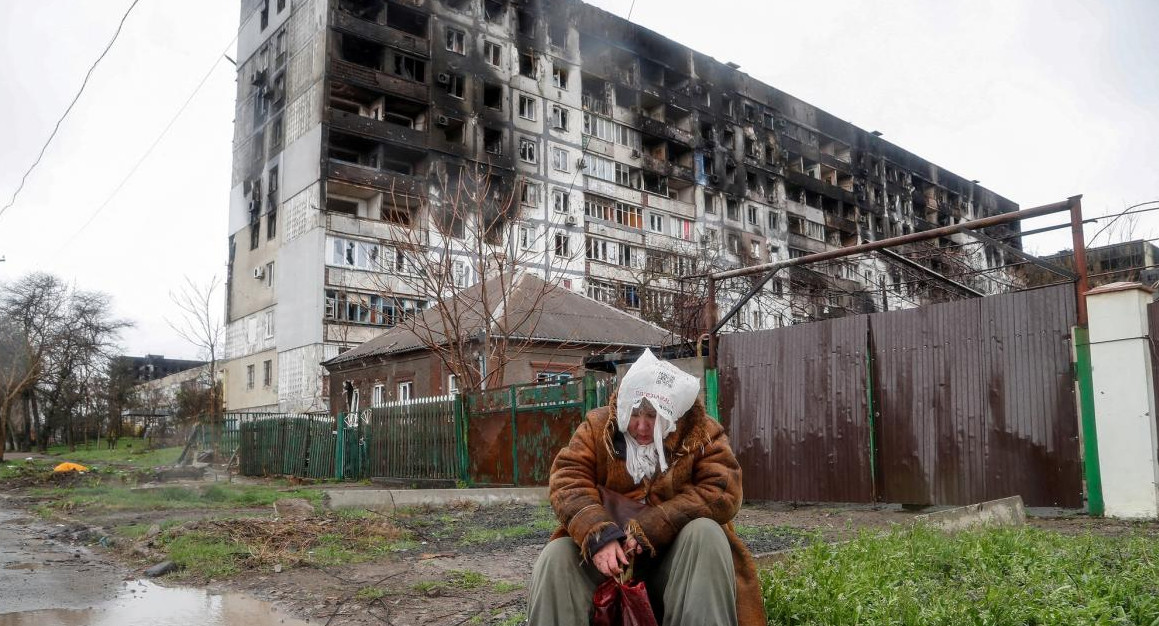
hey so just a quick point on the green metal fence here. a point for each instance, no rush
(506, 436)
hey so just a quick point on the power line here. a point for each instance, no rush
(156, 141)
(56, 128)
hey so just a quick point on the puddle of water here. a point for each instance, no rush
(142, 603)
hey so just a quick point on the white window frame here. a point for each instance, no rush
(378, 395)
(456, 41)
(527, 150)
(493, 53)
(559, 77)
(526, 237)
(559, 117)
(269, 324)
(563, 237)
(405, 390)
(452, 384)
(267, 373)
(560, 201)
(529, 194)
(656, 222)
(559, 159)
(527, 107)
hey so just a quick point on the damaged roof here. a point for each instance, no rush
(537, 310)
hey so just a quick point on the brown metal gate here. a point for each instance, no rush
(957, 403)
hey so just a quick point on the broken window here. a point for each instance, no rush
(361, 52)
(280, 48)
(733, 244)
(454, 83)
(752, 210)
(598, 208)
(249, 376)
(656, 222)
(527, 150)
(557, 34)
(524, 22)
(559, 77)
(255, 235)
(772, 220)
(750, 112)
(268, 364)
(274, 134)
(527, 107)
(562, 244)
(453, 129)
(410, 68)
(560, 201)
(339, 205)
(527, 64)
(459, 5)
(493, 53)
(529, 194)
(265, 21)
(493, 96)
(732, 209)
(623, 175)
(407, 20)
(456, 41)
(726, 105)
(559, 117)
(493, 140)
(710, 203)
(559, 159)
(494, 11)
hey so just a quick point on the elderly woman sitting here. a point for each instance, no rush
(681, 486)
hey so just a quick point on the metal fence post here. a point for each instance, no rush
(461, 448)
(340, 447)
(513, 397)
(590, 399)
(1086, 385)
(712, 393)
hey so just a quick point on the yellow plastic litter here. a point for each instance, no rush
(70, 467)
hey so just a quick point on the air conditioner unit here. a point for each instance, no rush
(442, 120)
(443, 78)
(571, 220)
(259, 272)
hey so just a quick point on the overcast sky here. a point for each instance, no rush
(1039, 100)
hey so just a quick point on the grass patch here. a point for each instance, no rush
(369, 594)
(427, 586)
(993, 577)
(206, 555)
(129, 451)
(100, 496)
(506, 587)
(466, 579)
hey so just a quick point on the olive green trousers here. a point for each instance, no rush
(691, 584)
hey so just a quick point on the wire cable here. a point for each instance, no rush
(56, 128)
(152, 146)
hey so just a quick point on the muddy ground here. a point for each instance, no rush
(451, 565)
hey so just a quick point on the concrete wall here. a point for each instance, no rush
(238, 396)
(1124, 400)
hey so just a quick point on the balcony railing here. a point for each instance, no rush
(370, 77)
(385, 180)
(381, 33)
(368, 126)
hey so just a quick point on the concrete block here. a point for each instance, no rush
(1005, 512)
(387, 500)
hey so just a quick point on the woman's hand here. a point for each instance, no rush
(611, 559)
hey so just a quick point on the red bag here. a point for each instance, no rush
(620, 603)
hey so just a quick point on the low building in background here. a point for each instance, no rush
(541, 332)
(1130, 261)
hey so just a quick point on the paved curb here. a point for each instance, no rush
(390, 499)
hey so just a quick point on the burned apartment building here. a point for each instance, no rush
(628, 163)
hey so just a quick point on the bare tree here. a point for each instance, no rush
(464, 248)
(200, 324)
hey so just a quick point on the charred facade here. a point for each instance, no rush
(620, 161)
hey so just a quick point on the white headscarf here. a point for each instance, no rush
(670, 391)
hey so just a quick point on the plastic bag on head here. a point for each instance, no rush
(668, 389)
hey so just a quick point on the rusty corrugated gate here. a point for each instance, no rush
(945, 404)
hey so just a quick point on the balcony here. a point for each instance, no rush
(374, 79)
(377, 229)
(385, 180)
(663, 129)
(380, 33)
(377, 129)
(666, 168)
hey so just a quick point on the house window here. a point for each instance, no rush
(249, 376)
(460, 274)
(599, 127)
(455, 84)
(527, 64)
(377, 395)
(529, 195)
(752, 214)
(623, 175)
(628, 215)
(270, 274)
(269, 324)
(559, 77)
(560, 201)
(456, 41)
(599, 250)
(559, 159)
(526, 238)
(527, 107)
(558, 117)
(410, 68)
(682, 228)
(267, 373)
(406, 390)
(656, 222)
(630, 296)
(255, 234)
(492, 53)
(772, 220)
(710, 204)
(734, 244)
(527, 150)
(562, 244)
(597, 208)
(452, 384)
(755, 248)
(354, 401)
(711, 234)
(271, 224)
(599, 167)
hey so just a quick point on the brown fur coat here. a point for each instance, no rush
(703, 480)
